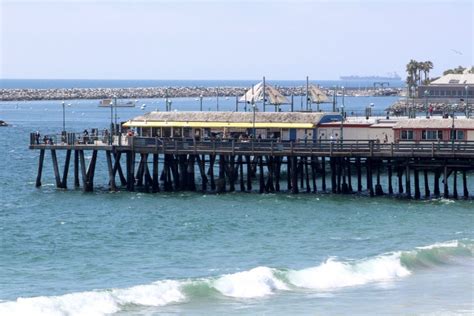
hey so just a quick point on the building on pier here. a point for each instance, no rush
(434, 129)
(289, 126)
(359, 129)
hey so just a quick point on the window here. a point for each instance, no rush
(431, 134)
(407, 134)
(458, 135)
(177, 132)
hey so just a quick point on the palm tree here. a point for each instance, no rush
(426, 67)
(429, 66)
(419, 69)
(411, 69)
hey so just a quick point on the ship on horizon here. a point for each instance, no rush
(390, 77)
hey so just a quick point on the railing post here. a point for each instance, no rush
(391, 149)
(331, 145)
(271, 148)
(175, 146)
(233, 147)
(291, 147)
(432, 149)
(371, 147)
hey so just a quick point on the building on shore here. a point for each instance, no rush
(451, 86)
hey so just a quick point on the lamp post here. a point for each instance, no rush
(342, 123)
(200, 102)
(452, 126)
(467, 101)
(412, 110)
(217, 99)
(343, 93)
(112, 120)
(115, 111)
(64, 116)
(426, 93)
(254, 110)
(317, 101)
(334, 99)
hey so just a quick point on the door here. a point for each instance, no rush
(292, 134)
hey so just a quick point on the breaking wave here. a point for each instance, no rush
(258, 282)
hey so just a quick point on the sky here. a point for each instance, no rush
(145, 39)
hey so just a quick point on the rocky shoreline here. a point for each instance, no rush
(155, 92)
(439, 107)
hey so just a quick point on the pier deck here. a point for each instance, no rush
(303, 165)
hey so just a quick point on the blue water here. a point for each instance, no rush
(70, 253)
(81, 83)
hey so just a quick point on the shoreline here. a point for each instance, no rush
(162, 92)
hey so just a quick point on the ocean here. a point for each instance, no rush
(75, 83)
(71, 253)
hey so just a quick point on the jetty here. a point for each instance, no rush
(224, 152)
(158, 92)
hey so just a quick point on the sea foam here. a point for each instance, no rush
(333, 274)
(95, 303)
(257, 282)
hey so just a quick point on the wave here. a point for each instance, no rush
(258, 282)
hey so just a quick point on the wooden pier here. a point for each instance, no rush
(158, 164)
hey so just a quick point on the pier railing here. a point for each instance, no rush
(366, 148)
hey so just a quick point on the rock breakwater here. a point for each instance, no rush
(154, 92)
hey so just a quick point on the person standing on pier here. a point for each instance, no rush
(37, 137)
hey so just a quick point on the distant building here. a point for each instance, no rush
(451, 86)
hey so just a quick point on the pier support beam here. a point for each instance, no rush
(66, 169)
(359, 175)
(417, 183)
(378, 186)
(389, 172)
(40, 168)
(130, 171)
(294, 175)
(277, 173)
(437, 192)
(111, 171)
(370, 186)
(464, 185)
(455, 184)
(407, 179)
(332, 165)
(427, 187)
(76, 169)
(400, 179)
(155, 186)
(445, 182)
(323, 173)
(56, 168)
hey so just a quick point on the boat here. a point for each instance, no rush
(391, 77)
(120, 104)
(3, 123)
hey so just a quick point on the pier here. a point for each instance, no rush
(154, 164)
